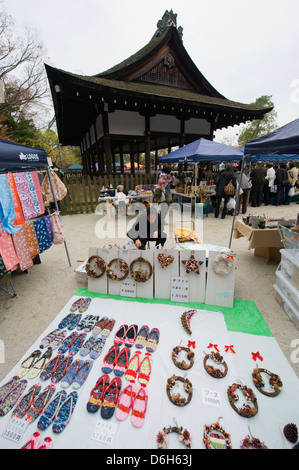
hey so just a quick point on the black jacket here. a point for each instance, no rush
(223, 179)
(142, 229)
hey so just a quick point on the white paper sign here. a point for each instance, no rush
(104, 432)
(15, 429)
(128, 288)
(179, 289)
(211, 398)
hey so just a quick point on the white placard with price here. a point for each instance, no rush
(211, 397)
(104, 432)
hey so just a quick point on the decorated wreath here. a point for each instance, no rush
(182, 364)
(176, 398)
(274, 381)
(228, 261)
(122, 267)
(215, 436)
(184, 436)
(185, 320)
(165, 260)
(95, 267)
(246, 410)
(140, 275)
(215, 372)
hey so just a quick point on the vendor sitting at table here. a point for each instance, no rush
(148, 227)
(122, 201)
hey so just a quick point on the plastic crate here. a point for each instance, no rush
(290, 265)
(285, 304)
(288, 289)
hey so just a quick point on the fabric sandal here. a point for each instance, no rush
(88, 345)
(85, 304)
(39, 364)
(65, 413)
(51, 410)
(153, 340)
(57, 340)
(12, 395)
(66, 320)
(33, 441)
(145, 369)
(40, 403)
(28, 363)
(26, 401)
(108, 327)
(87, 323)
(8, 385)
(82, 374)
(74, 322)
(67, 342)
(99, 326)
(76, 304)
(133, 367)
(77, 344)
(120, 334)
(50, 367)
(49, 338)
(97, 394)
(109, 360)
(141, 337)
(122, 360)
(139, 407)
(125, 402)
(47, 443)
(71, 373)
(61, 369)
(97, 348)
(130, 337)
(110, 398)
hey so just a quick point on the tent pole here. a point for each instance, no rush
(57, 208)
(237, 200)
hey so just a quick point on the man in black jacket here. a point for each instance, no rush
(148, 227)
(257, 177)
(281, 180)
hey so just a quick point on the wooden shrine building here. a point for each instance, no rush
(155, 99)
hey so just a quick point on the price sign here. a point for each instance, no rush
(211, 398)
(179, 289)
(104, 432)
(15, 430)
(128, 288)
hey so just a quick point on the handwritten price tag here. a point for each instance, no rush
(211, 398)
(15, 430)
(104, 432)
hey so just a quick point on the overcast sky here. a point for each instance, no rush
(245, 49)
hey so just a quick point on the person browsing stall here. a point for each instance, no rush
(148, 227)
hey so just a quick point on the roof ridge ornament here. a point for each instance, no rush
(168, 19)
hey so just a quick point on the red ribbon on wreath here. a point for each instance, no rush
(214, 346)
(256, 356)
(192, 344)
(230, 348)
(230, 256)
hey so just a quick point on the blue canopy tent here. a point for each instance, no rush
(203, 150)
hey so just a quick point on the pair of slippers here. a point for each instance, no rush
(81, 304)
(70, 321)
(87, 323)
(40, 402)
(76, 374)
(72, 343)
(58, 412)
(93, 346)
(139, 368)
(35, 442)
(116, 360)
(34, 364)
(147, 338)
(104, 327)
(135, 398)
(53, 339)
(10, 393)
(126, 335)
(104, 395)
(56, 368)
(26, 401)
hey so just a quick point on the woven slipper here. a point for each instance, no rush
(97, 394)
(97, 348)
(110, 398)
(145, 369)
(139, 407)
(76, 304)
(39, 364)
(65, 413)
(66, 320)
(141, 337)
(108, 327)
(82, 374)
(51, 410)
(99, 326)
(49, 338)
(71, 373)
(86, 321)
(153, 340)
(40, 403)
(11, 397)
(67, 342)
(125, 402)
(85, 304)
(77, 344)
(109, 360)
(28, 363)
(8, 385)
(47, 443)
(61, 369)
(88, 345)
(133, 366)
(26, 401)
(120, 334)
(122, 360)
(55, 343)
(33, 442)
(50, 367)
(130, 337)
(74, 322)
(91, 323)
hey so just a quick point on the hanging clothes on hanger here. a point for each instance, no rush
(21, 245)
(25, 196)
(8, 253)
(19, 217)
(32, 238)
(7, 209)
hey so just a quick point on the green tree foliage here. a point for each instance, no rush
(259, 127)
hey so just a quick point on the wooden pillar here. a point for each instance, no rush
(147, 146)
(107, 143)
(132, 159)
(121, 159)
(98, 152)
(182, 134)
